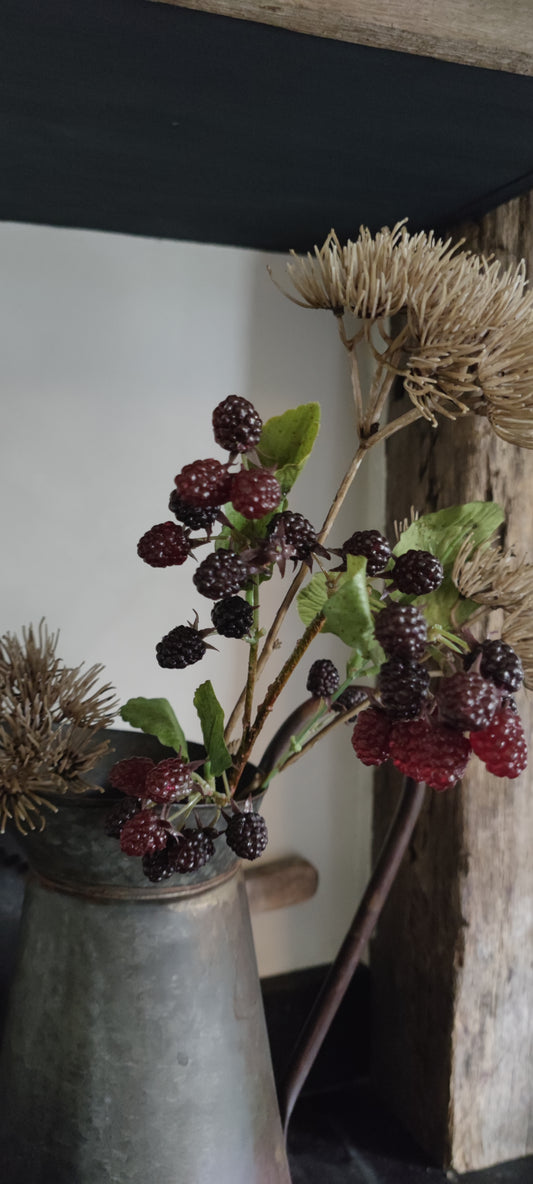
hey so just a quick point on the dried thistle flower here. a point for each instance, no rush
(492, 576)
(467, 347)
(51, 716)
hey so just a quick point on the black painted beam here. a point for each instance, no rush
(128, 116)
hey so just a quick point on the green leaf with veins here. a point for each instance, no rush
(287, 442)
(211, 718)
(156, 716)
(312, 598)
(345, 605)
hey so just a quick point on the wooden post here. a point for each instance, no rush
(452, 961)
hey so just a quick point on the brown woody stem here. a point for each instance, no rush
(350, 953)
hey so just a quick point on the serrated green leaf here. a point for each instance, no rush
(444, 532)
(156, 716)
(312, 598)
(211, 718)
(287, 441)
(347, 610)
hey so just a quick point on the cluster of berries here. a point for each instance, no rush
(142, 820)
(430, 735)
(201, 490)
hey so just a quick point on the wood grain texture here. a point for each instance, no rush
(496, 35)
(453, 958)
(280, 883)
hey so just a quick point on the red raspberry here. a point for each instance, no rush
(204, 483)
(130, 775)
(165, 545)
(255, 493)
(170, 779)
(371, 736)
(429, 751)
(502, 746)
(467, 701)
(143, 834)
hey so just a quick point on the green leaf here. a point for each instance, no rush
(156, 717)
(211, 718)
(347, 611)
(287, 442)
(312, 598)
(444, 532)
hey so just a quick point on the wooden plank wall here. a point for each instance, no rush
(453, 958)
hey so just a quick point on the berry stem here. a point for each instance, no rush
(350, 953)
(281, 740)
(333, 723)
(273, 692)
(252, 662)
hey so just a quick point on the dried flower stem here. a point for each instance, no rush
(252, 663)
(273, 693)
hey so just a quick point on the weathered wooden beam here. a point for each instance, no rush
(453, 958)
(498, 36)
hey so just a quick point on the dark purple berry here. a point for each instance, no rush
(119, 815)
(183, 646)
(130, 775)
(158, 866)
(417, 573)
(236, 424)
(232, 617)
(191, 850)
(165, 545)
(144, 833)
(403, 687)
(501, 664)
(372, 545)
(169, 780)
(402, 631)
(247, 835)
(195, 517)
(323, 679)
(254, 493)
(294, 532)
(220, 574)
(467, 701)
(204, 483)
(348, 699)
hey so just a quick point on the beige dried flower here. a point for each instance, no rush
(51, 719)
(320, 278)
(492, 576)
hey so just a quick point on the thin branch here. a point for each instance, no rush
(340, 718)
(252, 664)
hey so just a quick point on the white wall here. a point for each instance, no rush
(113, 353)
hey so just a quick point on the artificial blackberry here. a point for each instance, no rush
(144, 833)
(403, 687)
(130, 775)
(467, 701)
(183, 646)
(232, 617)
(247, 835)
(164, 545)
(220, 574)
(255, 492)
(370, 544)
(236, 424)
(119, 815)
(417, 573)
(349, 698)
(296, 535)
(169, 780)
(204, 483)
(323, 679)
(371, 736)
(158, 866)
(500, 663)
(402, 631)
(195, 517)
(502, 746)
(193, 848)
(429, 751)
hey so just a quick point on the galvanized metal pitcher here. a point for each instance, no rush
(135, 1048)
